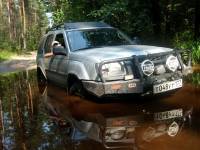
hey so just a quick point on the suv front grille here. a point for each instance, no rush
(159, 61)
(133, 66)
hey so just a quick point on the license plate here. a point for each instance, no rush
(167, 86)
(168, 114)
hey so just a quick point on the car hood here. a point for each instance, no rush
(117, 52)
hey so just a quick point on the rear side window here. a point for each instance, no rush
(48, 44)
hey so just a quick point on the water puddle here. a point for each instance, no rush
(36, 116)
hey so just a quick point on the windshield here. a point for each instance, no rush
(91, 38)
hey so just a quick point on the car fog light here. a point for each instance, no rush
(172, 63)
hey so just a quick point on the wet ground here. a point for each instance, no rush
(35, 116)
(19, 62)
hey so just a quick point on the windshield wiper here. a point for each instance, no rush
(83, 48)
(89, 47)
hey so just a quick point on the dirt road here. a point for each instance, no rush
(17, 63)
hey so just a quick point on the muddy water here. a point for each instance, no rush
(36, 116)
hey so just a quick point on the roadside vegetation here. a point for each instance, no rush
(173, 24)
(5, 55)
(185, 42)
(194, 79)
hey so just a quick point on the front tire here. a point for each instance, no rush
(77, 89)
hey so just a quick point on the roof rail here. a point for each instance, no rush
(79, 25)
(56, 27)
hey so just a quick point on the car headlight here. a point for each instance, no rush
(172, 63)
(113, 71)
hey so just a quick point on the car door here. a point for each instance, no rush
(60, 60)
(49, 57)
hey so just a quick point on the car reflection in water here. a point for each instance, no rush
(109, 123)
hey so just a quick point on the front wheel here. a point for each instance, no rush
(77, 89)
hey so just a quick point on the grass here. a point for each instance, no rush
(194, 79)
(5, 55)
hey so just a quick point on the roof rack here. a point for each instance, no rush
(56, 27)
(79, 25)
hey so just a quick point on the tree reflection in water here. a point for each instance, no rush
(23, 124)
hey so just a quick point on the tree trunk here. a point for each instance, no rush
(23, 22)
(9, 17)
(197, 20)
(156, 17)
(27, 10)
(1, 7)
(167, 20)
(13, 21)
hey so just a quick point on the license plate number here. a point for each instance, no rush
(167, 86)
(168, 114)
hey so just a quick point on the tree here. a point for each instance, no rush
(22, 22)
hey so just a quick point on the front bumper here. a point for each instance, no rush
(135, 86)
(116, 87)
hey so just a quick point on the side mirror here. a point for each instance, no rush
(136, 40)
(59, 50)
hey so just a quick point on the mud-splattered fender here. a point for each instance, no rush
(79, 69)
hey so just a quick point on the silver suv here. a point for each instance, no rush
(100, 59)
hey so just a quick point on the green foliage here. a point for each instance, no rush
(196, 52)
(4, 55)
(33, 37)
(194, 79)
(9, 45)
(58, 16)
(111, 13)
(131, 17)
(164, 23)
(185, 42)
(13, 34)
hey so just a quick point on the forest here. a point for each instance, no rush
(170, 23)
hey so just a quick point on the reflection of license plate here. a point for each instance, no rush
(168, 114)
(167, 86)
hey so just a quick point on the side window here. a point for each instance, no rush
(60, 39)
(48, 44)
